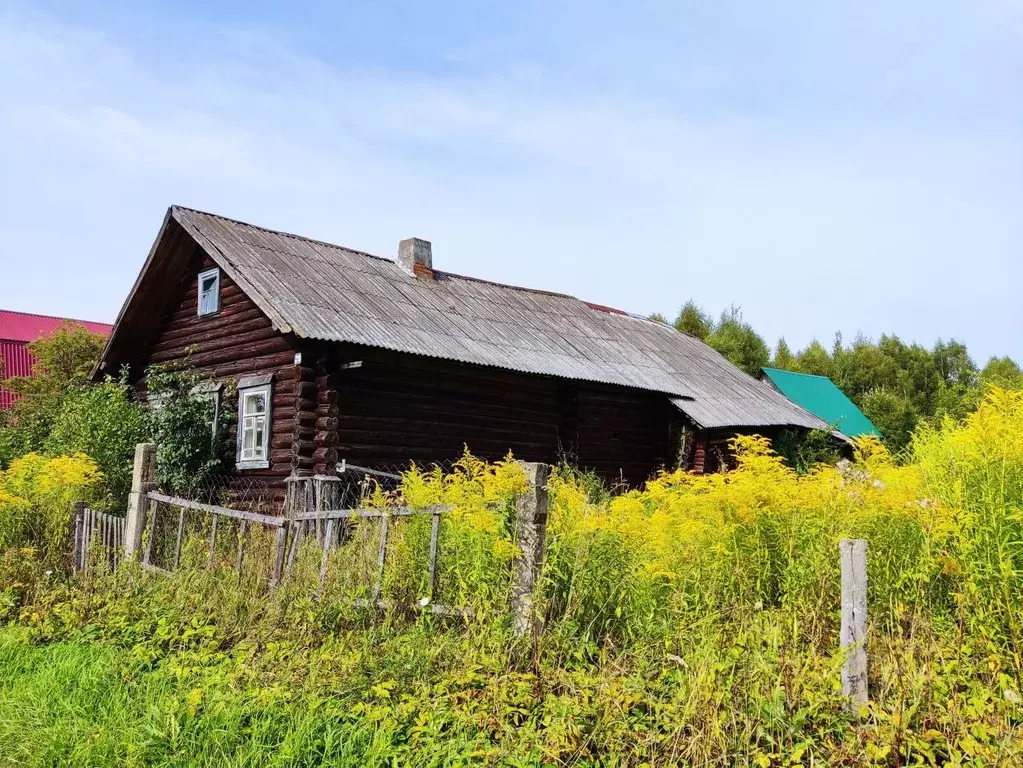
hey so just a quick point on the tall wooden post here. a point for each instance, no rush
(79, 546)
(531, 538)
(143, 480)
(854, 622)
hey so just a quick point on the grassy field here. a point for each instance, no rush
(691, 622)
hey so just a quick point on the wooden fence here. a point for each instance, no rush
(97, 535)
(310, 512)
(156, 533)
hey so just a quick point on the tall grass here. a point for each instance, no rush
(691, 622)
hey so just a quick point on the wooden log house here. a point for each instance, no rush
(341, 355)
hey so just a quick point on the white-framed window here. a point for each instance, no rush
(254, 425)
(209, 292)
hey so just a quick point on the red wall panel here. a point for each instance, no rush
(17, 361)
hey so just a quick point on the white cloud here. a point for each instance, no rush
(811, 226)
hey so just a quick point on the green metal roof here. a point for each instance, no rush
(820, 396)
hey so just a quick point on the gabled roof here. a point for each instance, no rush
(27, 327)
(822, 397)
(321, 291)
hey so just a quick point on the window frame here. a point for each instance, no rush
(205, 274)
(266, 389)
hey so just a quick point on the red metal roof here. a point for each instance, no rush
(17, 329)
(25, 327)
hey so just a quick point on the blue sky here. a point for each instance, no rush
(853, 167)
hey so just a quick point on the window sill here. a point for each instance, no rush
(252, 465)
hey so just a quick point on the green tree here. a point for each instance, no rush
(735, 338)
(815, 360)
(106, 422)
(694, 321)
(954, 364)
(783, 357)
(864, 367)
(657, 317)
(1002, 372)
(893, 414)
(64, 361)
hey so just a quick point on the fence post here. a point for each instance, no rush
(79, 542)
(143, 480)
(531, 538)
(300, 497)
(854, 622)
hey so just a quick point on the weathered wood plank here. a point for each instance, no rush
(242, 531)
(181, 533)
(854, 623)
(434, 539)
(345, 514)
(213, 509)
(378, 584)
(280, 546)
(328, 543)
(213, 539)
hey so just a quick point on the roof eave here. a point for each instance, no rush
(101, 364)
(247, 287)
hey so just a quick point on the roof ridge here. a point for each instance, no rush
(798, 373)
(507, 285)
(52, 317)
(282, 233)
(379, 258)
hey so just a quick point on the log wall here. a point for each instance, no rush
(394, 408)
(237, 341)
(382, 409)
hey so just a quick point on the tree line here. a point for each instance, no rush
(897, 385)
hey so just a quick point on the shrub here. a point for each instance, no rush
(189, 430)
(36, 498)
(105, 422)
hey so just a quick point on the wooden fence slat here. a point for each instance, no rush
(297, 534)
(119, 545)
(343, 514)
(214, 509)
(148, 557)
(328, 542)
(242, 530)
(378, 585)
(76, 558)
(434, 537)
(181, 533)
(213, 539)
(280, 545)
(108, 539)
(89, 519)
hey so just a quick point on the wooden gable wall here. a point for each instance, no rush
(238, 341)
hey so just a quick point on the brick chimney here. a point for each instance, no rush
(415, 256)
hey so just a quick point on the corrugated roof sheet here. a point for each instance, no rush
(17, 329)
(24, 326)
(822, 397)
(323, 291)
(17, 361)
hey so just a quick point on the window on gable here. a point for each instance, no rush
(254, 427)
(209, 292)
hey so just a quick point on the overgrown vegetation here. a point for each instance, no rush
(692, 622)
(59, 412)
(897, 385)
(187, 426)
(64, 361)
